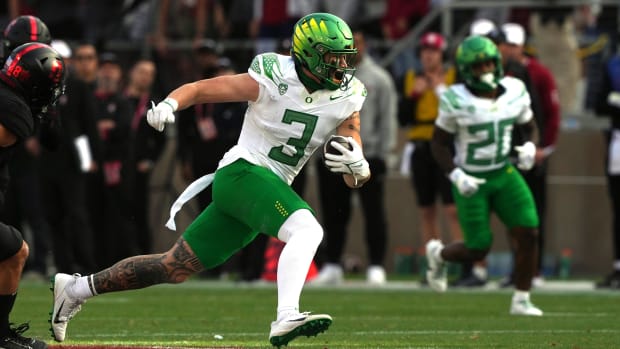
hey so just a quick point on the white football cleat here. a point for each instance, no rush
(295, 325)
(524, 307)
(330, 274)
(65, 307)
(436, 275)
(375, 275)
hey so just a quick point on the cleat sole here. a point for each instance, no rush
(311, 328)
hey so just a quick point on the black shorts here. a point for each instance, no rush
(428, 180)
(10, 241)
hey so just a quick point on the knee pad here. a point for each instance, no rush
(10, 241)
(303, 225)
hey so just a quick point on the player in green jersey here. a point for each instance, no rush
(294, 104)
(478, 116)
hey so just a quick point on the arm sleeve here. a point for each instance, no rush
(16, 117)
(526, 113)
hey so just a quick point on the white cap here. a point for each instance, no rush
(481, 26)
(515, 34)
(62, 48)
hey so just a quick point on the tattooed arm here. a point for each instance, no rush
(173, 266)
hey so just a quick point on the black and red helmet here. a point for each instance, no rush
(36, 71)
(24, 29)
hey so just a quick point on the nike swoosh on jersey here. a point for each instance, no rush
(331, 98)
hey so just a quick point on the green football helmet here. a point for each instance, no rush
(323, 43)
(477, 49)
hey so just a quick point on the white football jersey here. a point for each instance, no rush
(286, 124)
(483, 126)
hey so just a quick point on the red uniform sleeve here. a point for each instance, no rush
(544, 83)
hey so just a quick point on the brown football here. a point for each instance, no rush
(328, 148)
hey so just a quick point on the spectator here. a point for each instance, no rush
(400, 16)
(62, 17)
(555, 42)
(183, 22)
(421, 89)
(178, 20)
(108, 195)
(609, 105)
(198, 146)
(64, 178)
(238, 26)
(547, 115)
(9, 12)
(145, 149)
(85, 64)
(206, 131)
(271, 22)
(379, 134)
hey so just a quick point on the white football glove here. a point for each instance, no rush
(350, 161)
(527, 155)
(161, 113)
(466, 184)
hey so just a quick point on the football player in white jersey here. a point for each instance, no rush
(294, 103)
(478, 116)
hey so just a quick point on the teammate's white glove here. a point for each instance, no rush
(466, 184)
(527, 155)
(350, 161)
(161, 113)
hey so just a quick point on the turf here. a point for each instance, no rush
(191, 314)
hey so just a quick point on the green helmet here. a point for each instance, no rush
(318, 34)
(477, 49)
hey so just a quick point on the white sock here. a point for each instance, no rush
(437, 255)
(81, 288)
(302, 234)
(521, 295)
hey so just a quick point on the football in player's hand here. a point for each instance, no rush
(329, 149)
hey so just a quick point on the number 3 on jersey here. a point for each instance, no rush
(309, 122)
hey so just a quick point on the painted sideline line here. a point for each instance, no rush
(411, 332)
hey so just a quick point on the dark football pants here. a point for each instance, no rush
(335, 198)
(10, 241)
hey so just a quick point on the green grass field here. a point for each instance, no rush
(191, 314)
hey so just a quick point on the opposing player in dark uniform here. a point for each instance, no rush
(23, 204)
(30, 82)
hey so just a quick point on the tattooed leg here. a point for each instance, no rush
(173, 266)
